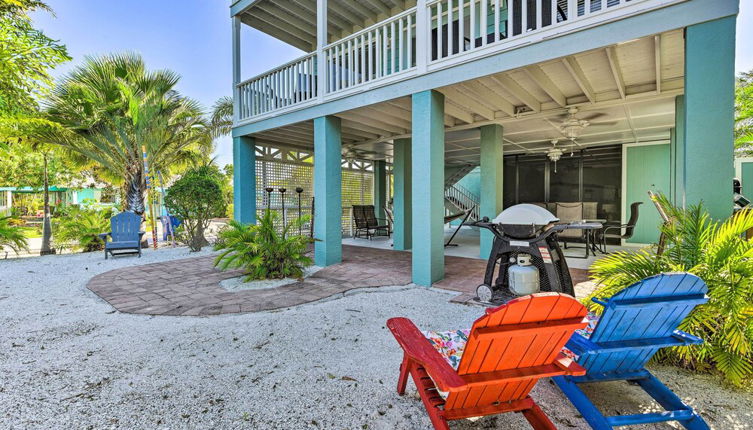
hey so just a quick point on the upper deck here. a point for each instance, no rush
(358, 47)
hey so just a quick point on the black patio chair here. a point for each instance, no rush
(616, 231)
(368, 224)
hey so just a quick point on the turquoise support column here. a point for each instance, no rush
(244, 180)
(677, 153)
(327, 191)
(428, 187)
(380, 188)
(402, 200)
(492, 160)
(709, 115)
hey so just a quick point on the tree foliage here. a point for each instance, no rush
(744, 111)
(196, 198)
(263, 251)
(12, 236)
(26, 57)
(719, 254)
(113, 106)
(79, 228)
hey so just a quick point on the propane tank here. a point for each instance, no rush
(523, 276)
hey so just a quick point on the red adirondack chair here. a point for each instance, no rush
(508, 350)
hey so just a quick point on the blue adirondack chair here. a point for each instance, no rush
(125, 235)
(635, 324)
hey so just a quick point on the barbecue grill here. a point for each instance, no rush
(525, 241)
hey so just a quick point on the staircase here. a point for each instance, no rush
(458, 199)
(452, 174)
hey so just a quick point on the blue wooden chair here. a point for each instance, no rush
(125, 235)
(635, 324)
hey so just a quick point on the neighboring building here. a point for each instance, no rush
(59, 196)
(592, 101)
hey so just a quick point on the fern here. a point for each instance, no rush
(12, 236)
(261, 251)
(719, 254)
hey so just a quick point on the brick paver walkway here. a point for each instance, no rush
(191, 286)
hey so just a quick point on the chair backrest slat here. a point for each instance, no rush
(651, 308)
(125, 226)
(496, 342)
(359, 216)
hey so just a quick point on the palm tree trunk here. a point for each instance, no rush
(46, 225)
(134, 190)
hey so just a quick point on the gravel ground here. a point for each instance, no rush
(68, 360)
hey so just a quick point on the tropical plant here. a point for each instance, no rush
(115, 110)
(263, 251)
(26, 57)
(12, 236)
(221, 120)
(196, 198)
(718, 253)
(79, 228)
(744, 111)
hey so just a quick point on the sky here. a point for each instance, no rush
(193, 38)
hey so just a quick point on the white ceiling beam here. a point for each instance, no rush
(517, 91)
(384, 125)
(277, 33)
(360, 126)
(286, 16)
(484, 86)
(345, 13)
(456, 112)
(368, 15)
(468, 103)
(303, 33)
(542, 80)
(571, 64)
(388, 114)
(614, 66)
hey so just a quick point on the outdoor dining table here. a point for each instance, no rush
(591, 227)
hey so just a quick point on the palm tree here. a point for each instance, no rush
(115, 110)
(221, 120)
(718, 253)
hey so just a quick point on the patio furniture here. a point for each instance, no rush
(452, 217)
(491, 368)
(636, 323)
(367, 222)
(125, 235)
(570, 213)
(616, 231)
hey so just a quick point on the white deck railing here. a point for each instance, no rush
(288, 85)
(453, 31)
(379, 51)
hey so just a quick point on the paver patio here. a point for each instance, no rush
(191, 287)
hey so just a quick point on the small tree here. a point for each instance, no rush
(196, 198)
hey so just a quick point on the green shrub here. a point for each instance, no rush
(262, 251)
(719, 254)
(12, 236)
(79, 228)
(196, 198)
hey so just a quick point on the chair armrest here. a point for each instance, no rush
(615, 227)
(103, 236)
(599, 301)
(579, 345)
(418, 349)
(687, 338)
(141, 234)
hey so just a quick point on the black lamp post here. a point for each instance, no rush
(299, 190)
(269, 197)
(282, 195)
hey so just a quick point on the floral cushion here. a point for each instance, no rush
(586, 332)
(449, 343)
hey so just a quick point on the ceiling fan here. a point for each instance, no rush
(351, 153)
(572, 125)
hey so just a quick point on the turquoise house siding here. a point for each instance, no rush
(646, 167)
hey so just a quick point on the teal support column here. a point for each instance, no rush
(327, 191)
(402, 200)
(709, 115)
(428, 187)
(492, 160)
(244, 180)
(677, 154)
(380, 188)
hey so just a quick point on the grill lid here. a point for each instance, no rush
(525, 214)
